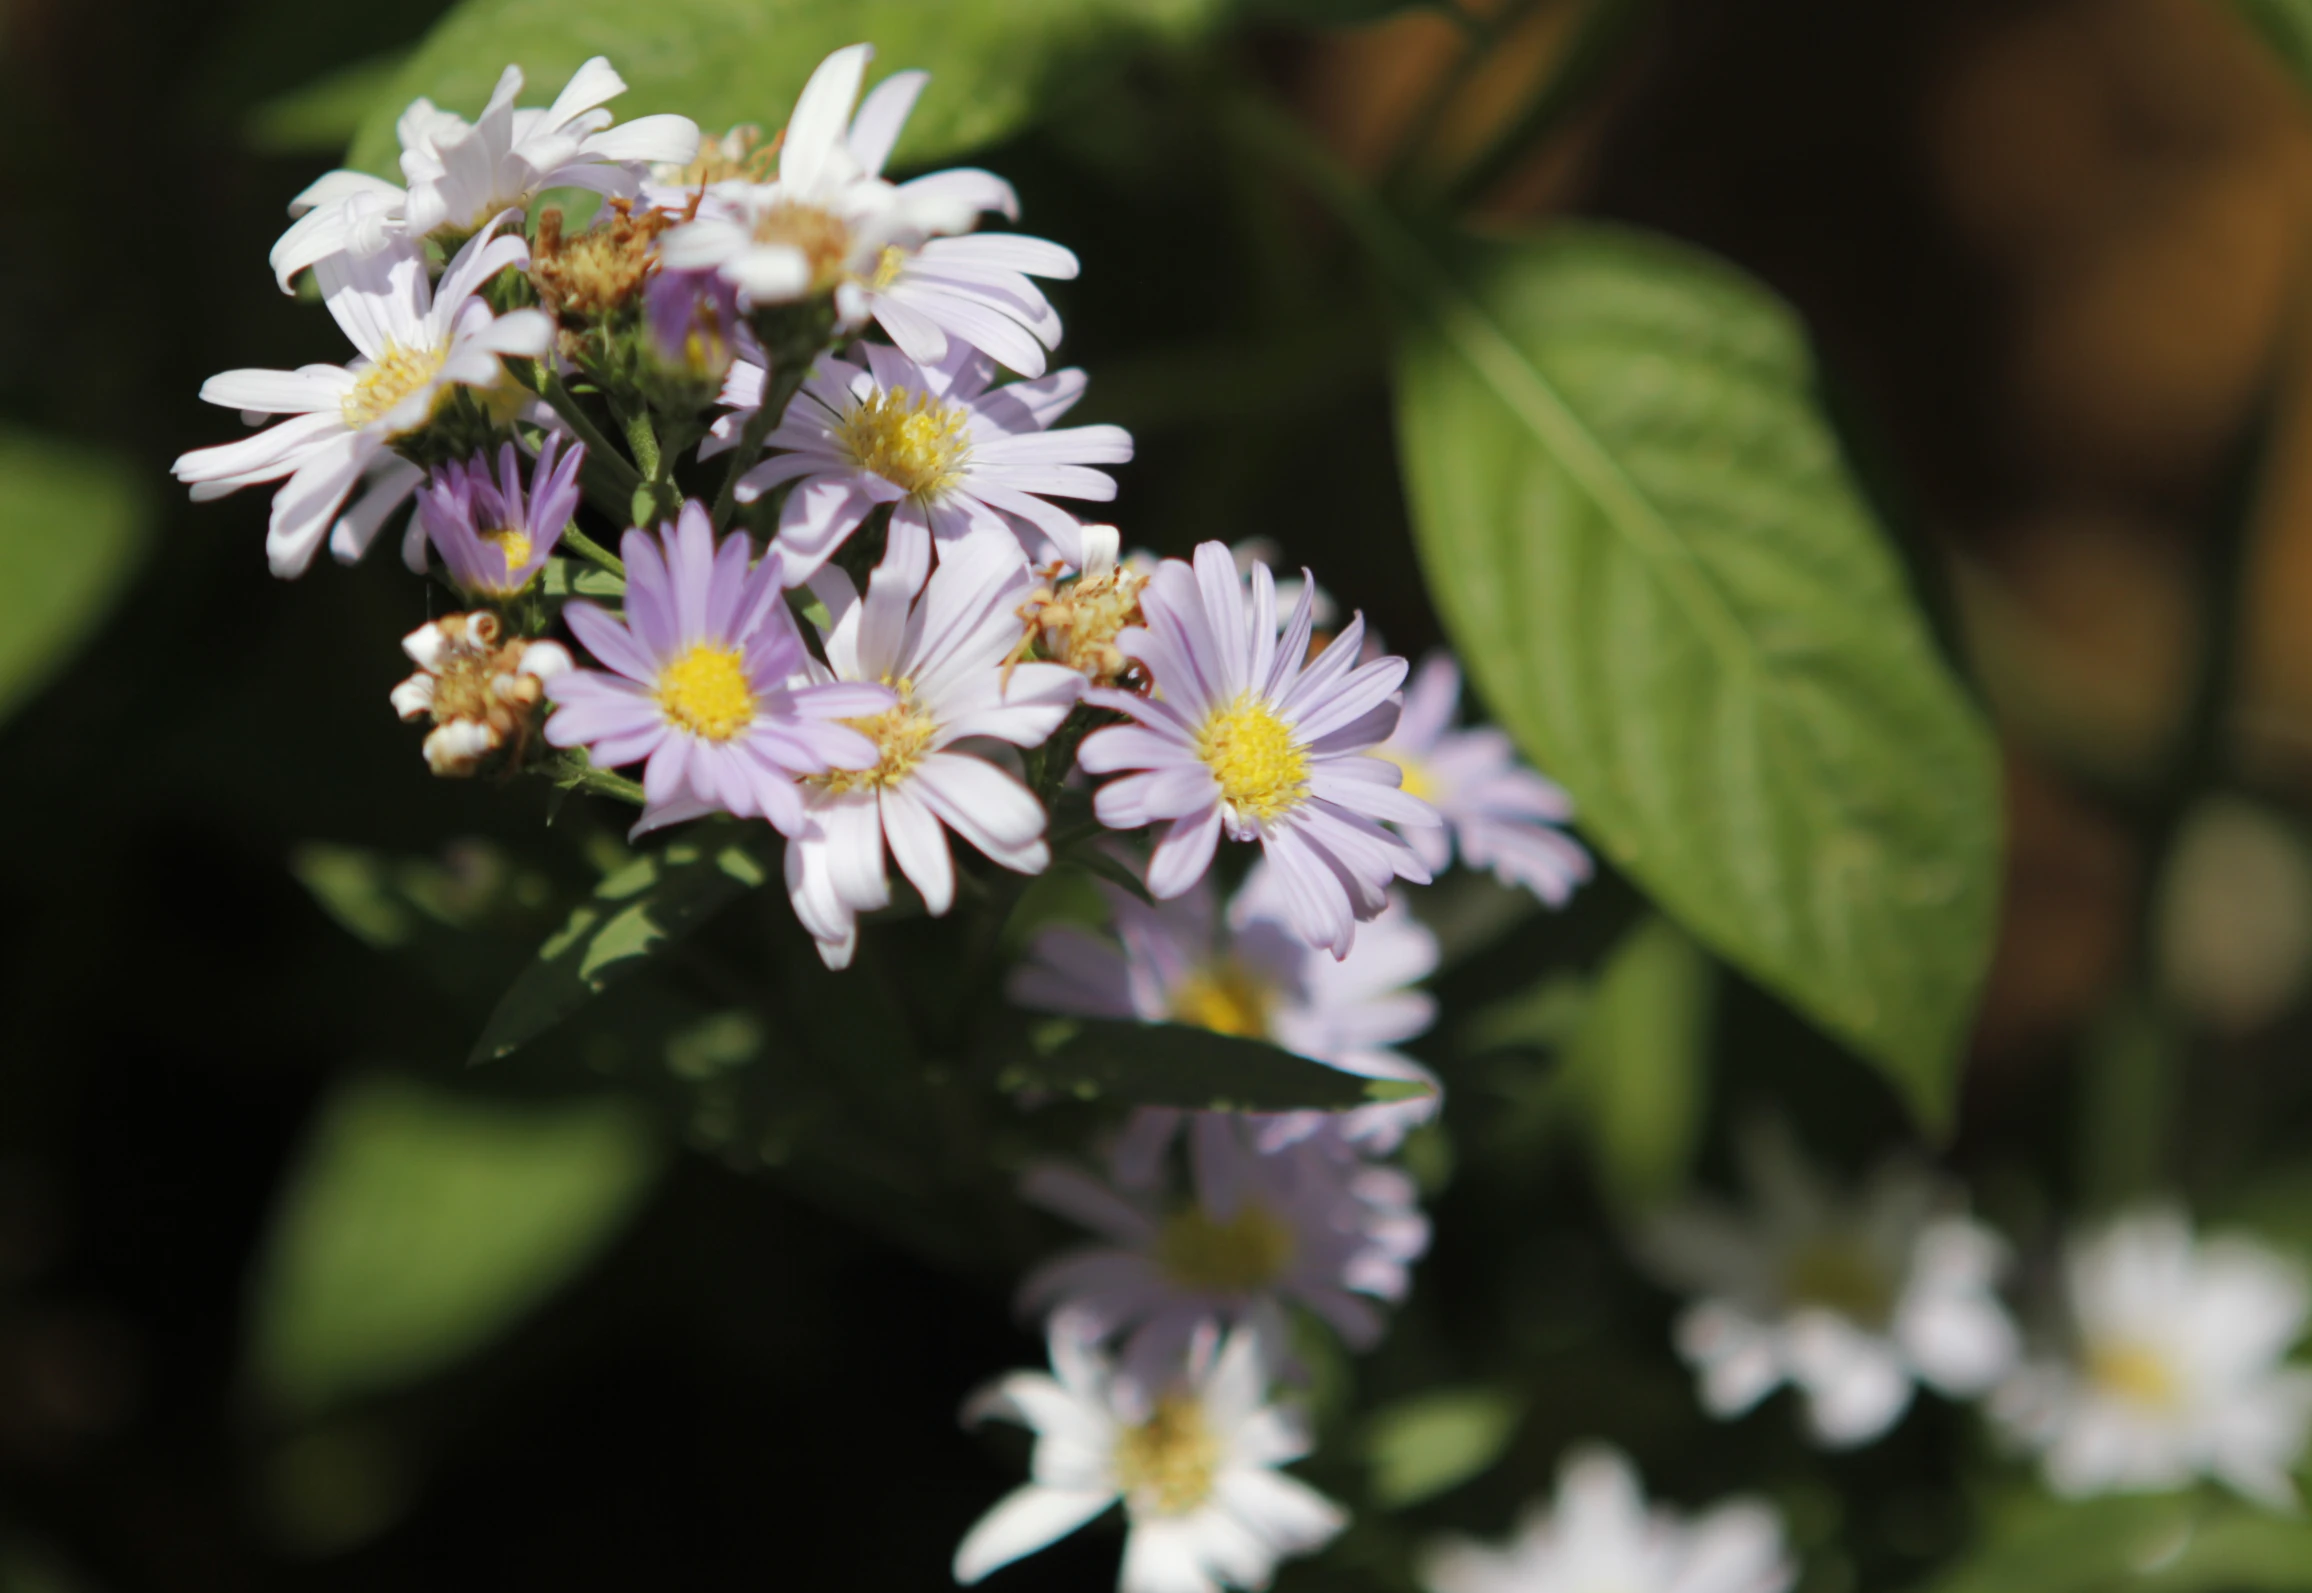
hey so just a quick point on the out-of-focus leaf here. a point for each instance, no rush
(1656, 568)
(2286, 25)
(2180, 1543)
(635, 913)
(323, 115)
(722, 62)
(72, 522)
(1172, 1064)
(419, 1225)
(1635, 1069)
(387, 901)
(1327, 13)
(1421, 1447)
(566, 578)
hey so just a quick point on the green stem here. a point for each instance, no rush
(1595, 48)
(579, 542)
(573, 775)
(642, 439)
(616, 478)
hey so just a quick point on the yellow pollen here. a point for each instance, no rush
(705, 692)
(1225, 999)
(902, 734)
(386, 382)
(1165, 1466)
(1838, 1274)
(1249, 1251)
(888, 265)
(515, 545)
(912, 440)
(1251, 752)
(1412, 778)
(2135, 1373)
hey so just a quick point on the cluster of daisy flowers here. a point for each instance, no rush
(827, 576)
(2162, 1357)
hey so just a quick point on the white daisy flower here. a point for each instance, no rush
(2176, 1368)
(1195, 1468)
(1238, 734)
(1599, 1537)
(941, 645)
(1177, 962)
(1852, 1300)
(417, 344)
(1308, 1223)
(479, 693)
(461, 174)
(831, 223)
(1503, 816)
(951, 455)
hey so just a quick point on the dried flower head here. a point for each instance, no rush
(591, 274)
(481, 693)
(1075, 620)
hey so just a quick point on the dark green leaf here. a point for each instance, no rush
(72, 522)
(2177, 1543)
(1170, 1064)
(1657, 571)
(421, 1224)
(635, 913)
(1421, 1447)
(723, 62)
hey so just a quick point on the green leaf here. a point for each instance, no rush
(723, 62)
(635, 913)
(2286, 25)
(1635, 1068)
(1656, 569)
(419, 1225)
(1421, 1447)
(72, 524)
(1172, 1064)
(2175, 1543)
(320, 117)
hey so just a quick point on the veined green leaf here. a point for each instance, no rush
(421, 1224)
(72, 521)
(723, 62)
(1172, 1064)
(636, 912)
(1656, 569)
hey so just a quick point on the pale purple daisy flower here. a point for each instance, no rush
(942, 644)
(418, 342)
(831, 223)
(462, 173)
(1240, 735)
(950, 454)
(1310, 1223)
(695, 322)
(1250, 975)
(494, 536)
(704, 682)
(1194, 1464)
(1502, 815)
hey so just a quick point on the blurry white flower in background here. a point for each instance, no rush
(1853, 1300)
(1599, 1537)
(2175, 1367)
(1195, 1468)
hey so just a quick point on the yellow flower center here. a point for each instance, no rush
(1165, 1466)
(824, 240)
(1224, 998)
(912, 440)
(901, 733)
(1262, 770)
(381, 387)
(1247, 1252)
(515, 545)
(705, 692)
(1412, 777)
(888, 265)
(1837, 1274)
(2136, 1373)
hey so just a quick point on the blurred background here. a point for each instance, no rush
(2052, 257)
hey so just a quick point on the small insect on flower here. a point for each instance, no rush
(1074, 620)
(493, 536)
(1599, 1537)
(462, 173)
(1195, 1467)
(705, 681)
(952, 456)
(1853, 1301)
(1240, 735)
(2177, 1366)
(417, 345)
(1310, 1224)
(480, 693)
